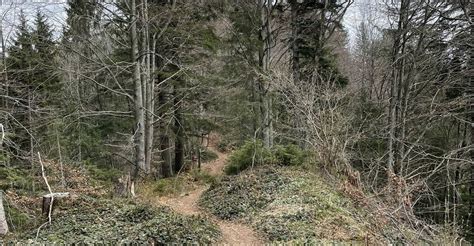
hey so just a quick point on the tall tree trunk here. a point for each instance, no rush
(139, 135)
(165, 141)
(150, 104)
(147, 85)
(264, 63)
(7, 89)
(179, 132)
(470, 79)
(295, 59)
(395, 87)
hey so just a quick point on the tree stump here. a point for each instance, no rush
(50, 201)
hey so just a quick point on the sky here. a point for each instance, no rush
(10, 10)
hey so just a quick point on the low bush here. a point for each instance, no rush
(199, 175)
(289, 155)
(18, 220)
(226, 145)
(103, 173)
(167, 186)
(255, 154)
(250, 154)
(207, 155)
(16, 178)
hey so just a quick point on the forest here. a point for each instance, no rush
(237, 122)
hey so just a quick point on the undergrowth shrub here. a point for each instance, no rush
(167, 186)
(289, 155)
(199, 175)
(207, 155)
(102, 172)
(254, 153)
(17, 220)
(226, 145)
(15, 178)
(251, 153)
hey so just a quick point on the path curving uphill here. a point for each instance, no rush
(233, 233)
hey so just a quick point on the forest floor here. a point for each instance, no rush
(233, 232)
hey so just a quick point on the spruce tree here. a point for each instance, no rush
(44, 56)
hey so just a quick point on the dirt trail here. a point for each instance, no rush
(233, 233)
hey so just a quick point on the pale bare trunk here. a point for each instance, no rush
(139, 135)
(7, 88)
(150, 103)
(3, 218)
(147, 85)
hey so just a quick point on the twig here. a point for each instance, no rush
(3, 134)
(63, 180)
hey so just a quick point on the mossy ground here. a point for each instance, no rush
(115, 221)
(91, 216)
(289, 204)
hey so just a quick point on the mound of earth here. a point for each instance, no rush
(293, 205)
(116, 222)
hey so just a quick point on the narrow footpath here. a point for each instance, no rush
(233, 233)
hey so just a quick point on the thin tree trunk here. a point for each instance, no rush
(295, 61)
(165, 121)
(30, 125)
(264, 63)
(150, 102)
(179, 132)
(139, 135)
(7, 87)
(470, 79)
(148, 86)
(395, 87)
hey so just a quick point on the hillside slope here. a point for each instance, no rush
(288, 204)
